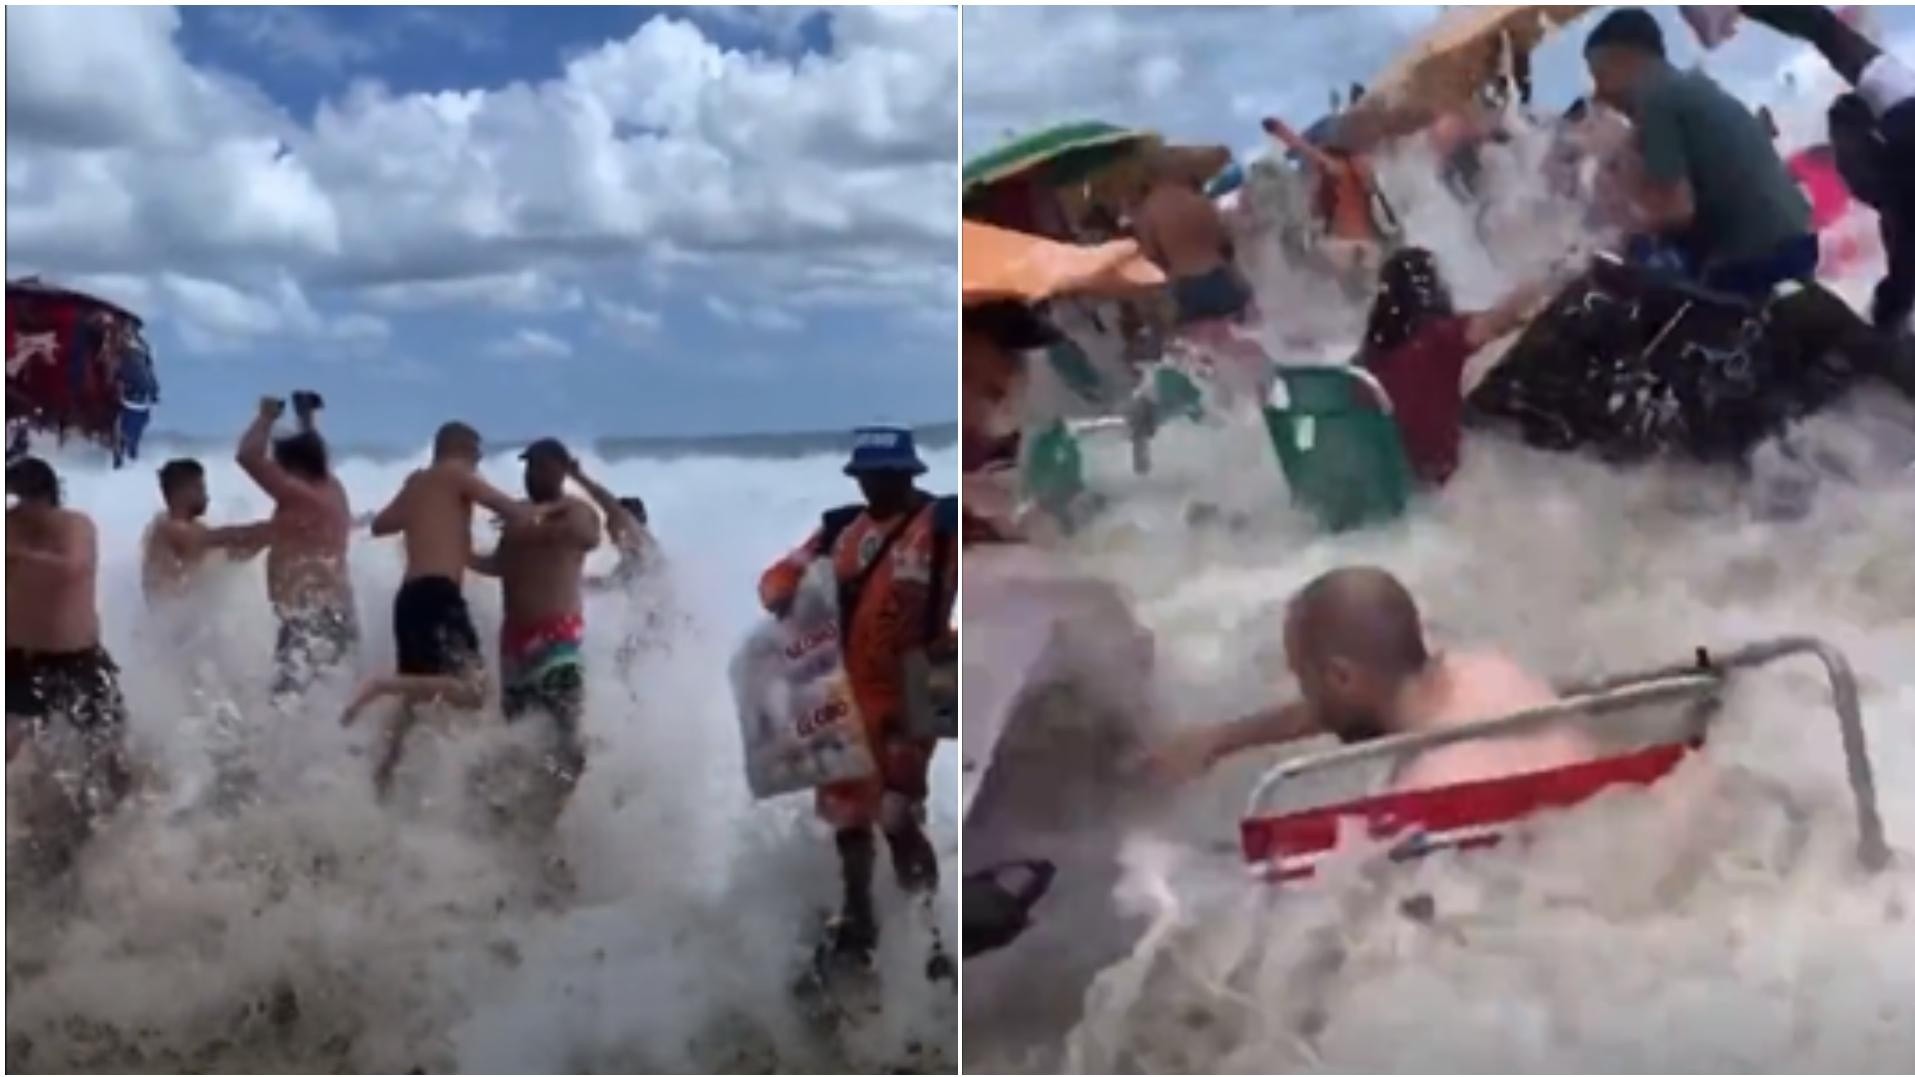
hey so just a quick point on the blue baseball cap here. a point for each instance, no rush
(876, 449)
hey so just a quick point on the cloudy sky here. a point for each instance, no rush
(1212, 73)
(588, 220)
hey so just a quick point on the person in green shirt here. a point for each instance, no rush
(1713, 185)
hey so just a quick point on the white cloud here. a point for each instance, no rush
(527, 291)
(533, 344)
(756, 315)
(643, 155)
(633, 324)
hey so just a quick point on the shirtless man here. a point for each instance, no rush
(177, 542)
(56, 669)
(438, 647)
(306, 573)
(1184, 233)
(540, 567)
(1355, 641)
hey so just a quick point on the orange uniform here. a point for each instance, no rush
(889, 619)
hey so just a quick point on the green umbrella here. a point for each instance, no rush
(1067, 153)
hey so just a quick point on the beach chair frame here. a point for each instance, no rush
(1466, 816)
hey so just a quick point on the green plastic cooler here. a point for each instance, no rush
(1338, 445)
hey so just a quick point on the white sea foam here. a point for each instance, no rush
(313, 929)
(1716, 922)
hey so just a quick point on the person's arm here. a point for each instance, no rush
(498, 502)
(619, 521)
(254, 459)
(779, 585)
(1664, 202)
(240, 541)
(1304, 148)
(1895, 295)
(392, 519)
(1194, 751)
(1515, 309)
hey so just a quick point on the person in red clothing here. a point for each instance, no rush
(897, 583)
(1416, 344)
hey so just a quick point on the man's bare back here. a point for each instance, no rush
(1182, 231)
(1464, 688)
(310, 526)
(434, 514)
(52, 555)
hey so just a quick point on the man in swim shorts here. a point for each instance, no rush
(540, 567)
(1184, 233)
(438, 648)
(897, 583)
(306, 573)
(1354, 639)
(57, 672)
(177, 542)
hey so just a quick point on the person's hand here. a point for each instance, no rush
(271, 407)
(305, 403)
(1183, 756)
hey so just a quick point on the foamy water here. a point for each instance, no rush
(315, 929)
(1716, 922)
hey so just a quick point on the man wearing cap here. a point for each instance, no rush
(540, 565)
(897, 580)
(1712, 184)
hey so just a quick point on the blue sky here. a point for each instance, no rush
(583, 220)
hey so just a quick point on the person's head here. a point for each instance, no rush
(303, 455)
(547, 463)
(457, 443)
(635, 506)
(884, 460)
(1409, 291)
(1353, 637)
(1623, 48)
(183, 485)
(32, 483)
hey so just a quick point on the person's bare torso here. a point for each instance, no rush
(1184, 229)
(438, 523)
(1476, 687)
(541, 578)
(167, 566)
(50, 610)
(306, 559)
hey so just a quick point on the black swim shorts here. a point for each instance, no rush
(433, 628)
(82, 687)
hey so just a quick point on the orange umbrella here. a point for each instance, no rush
(1001, 264)
(1464, 50)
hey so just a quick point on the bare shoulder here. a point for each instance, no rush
(1497, 669)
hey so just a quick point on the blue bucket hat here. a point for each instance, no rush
(883, 448)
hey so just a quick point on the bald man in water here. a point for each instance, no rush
(1354, 639)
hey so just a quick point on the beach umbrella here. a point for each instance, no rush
(999, 264)
(1464, 51)
(1065, 154)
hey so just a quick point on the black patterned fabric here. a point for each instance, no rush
(1631, 366)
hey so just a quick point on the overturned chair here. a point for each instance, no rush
(1473, 815)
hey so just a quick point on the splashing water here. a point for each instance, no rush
(308, 928)
(1715, 922)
